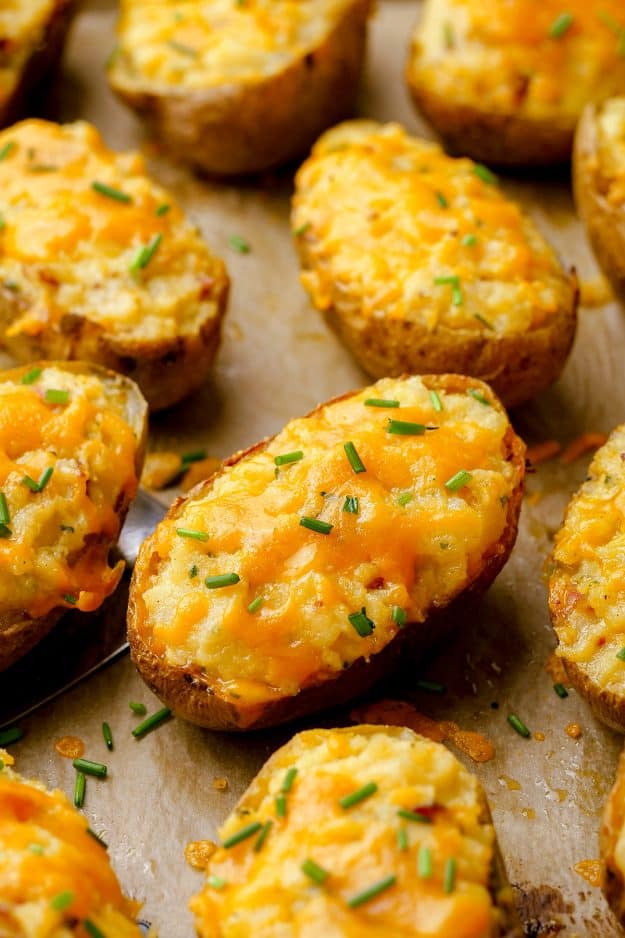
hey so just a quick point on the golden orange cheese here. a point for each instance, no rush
(611, 150)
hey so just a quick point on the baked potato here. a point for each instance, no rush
(71, 449)
(599, 184)
(586, 588)
(370, 831)
(421, 265)
(32, 36)
(56, 879)
(506, 83)
(294, 578)
(239, 87)
(98, 263)
(612, 844)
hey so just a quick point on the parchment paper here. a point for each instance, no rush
(278, 360)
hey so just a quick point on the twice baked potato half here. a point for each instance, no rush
(98, 263)
(56, 879)
(599, 184)
(32, 36)
(612, 844)
(71, 450)
(370, 831)
(586, 588)
(421, 264)
(294, 577)
(503, 82)
(240, 87)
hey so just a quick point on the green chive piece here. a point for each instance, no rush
(405, 428)
(448, 35)
(79, 789)
(62, 901)
(108, 736)
(381, 402)
(196, 455)
(354, 459)
(561, 690)
(350, 505)
(5, 532)
(404, 498)
(424, 862)
(413, 816)
(145, 254)
(69, 598)
(458, 481)
(314, 871)
(152, 722)
(560, 25)
(182, 48)
(469, 240)
(432, 687)
(239, 244)
(286, 458)
(110, 192)
(456, 288)
(162, 209)
(92, 930)
(12, 735)
(8, 147)
(97, 838)
(216, 882)
(54, 396)
(621, 654)
(518, 725)
(361, 794)
(372, 891)
(483, 173)
(484, 321)
(398, 615)
(437, 404)
(302, 229)
(449, 875)
(478, 396)
(262, 837)
(314, 524)
(248, 831)
(193, 572)
(402, 838)
(97, 769)
(5, 518)
(189, 532)
(45, 478)
(221, 580)
(37, 849)
(138, 708)
(361, 622)
(31, 376)
(289, 778)
(442, 201)
(281, 805)
(255, 604)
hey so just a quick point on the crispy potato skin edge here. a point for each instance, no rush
(605, 223)
(18, 634)
(188, 693)
(236, 129)
(612, 821)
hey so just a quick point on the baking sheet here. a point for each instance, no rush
(278, 360)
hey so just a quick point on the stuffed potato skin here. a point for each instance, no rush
(263, 661)
(612, 844)
(266, 892)
(70, 471)
(260, 81)
(527, 117)
(421, 265)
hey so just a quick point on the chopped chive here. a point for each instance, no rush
(381, 402)
(45, 478)
(62, 901)
(449, 875)
(248, 831)
(138, 709)
(79, 789)
(195, 455)
(5, 518)
(145, 254)
(12, 735)
(402, 838)
(162, 209)
(152, 722)
(289, 778)
(437, 404)
(458, 481)
(424, 862)
(404, 498)
(518, 725)
(216, 882)
(484, 321)
(286, 458)
(314, 871)
(456, 288)
(92, 930)
(97, 838)
(97, 769)
(469, 240)
(560, 25)
(398, 615)
(37, 849)
(314, 524)
(54, 396)
(31, 376)
(478, 396)
(448, 35)
(239, 244)
(354, 459)
(189, 532)
(182, 48)
(108, 736)
(5, 532)
(350, 505)
(110, 192)
(361, 622)
(69, 598)
(2, 223)
(6, 149)
(442, 201)
(262, 837)
(405, 428)
(255, 604)
(372, 891)
(483, 173)
(621, 654)
(432, 687)
(281, 805)
(561, 690)
(413, 816)
(302, 229)
(355, 797)
(193, 572)
(221, 580)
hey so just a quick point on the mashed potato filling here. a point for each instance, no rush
(611, 149)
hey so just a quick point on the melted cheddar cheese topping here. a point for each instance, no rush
(54, 875)
(587, 588)
(392, 224)
(54, 545)
(611, 150)
(539, 59)
(22, 27)
(68, 251)
(266, 892)
(408, 543)
(193, 44)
